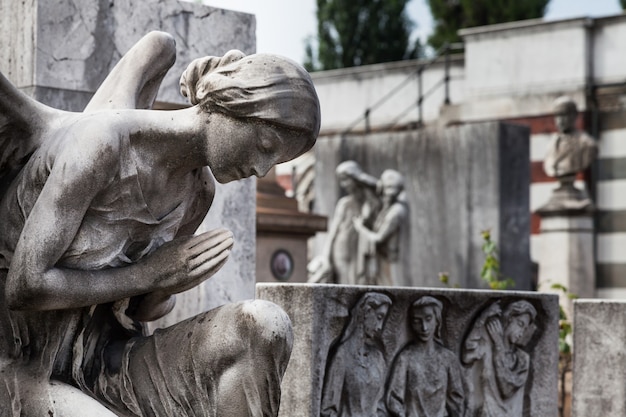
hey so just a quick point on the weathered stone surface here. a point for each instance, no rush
(473, 327)
(599, 358)
(73, 44)
(234, 209)
(98, 211)
(59, 52)
(459, 181)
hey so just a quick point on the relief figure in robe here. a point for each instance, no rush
(499, 365)
(356, 367)
(425, 379)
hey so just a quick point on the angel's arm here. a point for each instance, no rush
(35, 282)
(154, 305)
(391, 223)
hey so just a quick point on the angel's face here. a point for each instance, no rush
(243, 148)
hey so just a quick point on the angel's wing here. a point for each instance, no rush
(134, 82)
(21, 122)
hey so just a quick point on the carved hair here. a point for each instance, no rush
(352, 169)
(369, 301)
(427, 301)
(264, 87)
(392, 177)
(519, 308)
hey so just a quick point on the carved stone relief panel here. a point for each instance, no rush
(384, 351)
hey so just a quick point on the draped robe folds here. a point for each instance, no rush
(425, 384)
(354, 381)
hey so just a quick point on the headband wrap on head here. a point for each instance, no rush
(261, 86)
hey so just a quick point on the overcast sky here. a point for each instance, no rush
(284, 25)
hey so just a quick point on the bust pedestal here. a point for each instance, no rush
(567, 255)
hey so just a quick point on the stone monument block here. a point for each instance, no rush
(567, 256)
(599, 351)
(459, 180)
(60, 51)
(394, 350)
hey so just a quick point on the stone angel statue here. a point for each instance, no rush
(97, 213)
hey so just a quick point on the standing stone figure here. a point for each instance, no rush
(97, 216)
(570, 152)
(425, 379)
(340, 262)
(499, 366)
(382, 243)
(356, 369)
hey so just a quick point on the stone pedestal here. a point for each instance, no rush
(599, 387)
(328, 321)
(567, 255)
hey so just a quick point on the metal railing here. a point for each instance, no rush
(444, 51)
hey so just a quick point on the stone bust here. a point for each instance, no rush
(98, 212)
(570, 151)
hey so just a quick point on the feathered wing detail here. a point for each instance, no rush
(22, 120)
(135, 80)
(132, 84)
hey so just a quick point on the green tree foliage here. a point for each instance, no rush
(623, 3)
(360, 32)
(452, 15)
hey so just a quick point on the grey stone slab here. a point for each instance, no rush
(73, 44)
(460, 180)
(567, 256)
(514, 225)
(611, 275)
(599, 352)
(321, 316)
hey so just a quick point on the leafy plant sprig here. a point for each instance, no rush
(490, 272)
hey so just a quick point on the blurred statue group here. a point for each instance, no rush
(98, 212)
(487, 378)
(368, 230)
